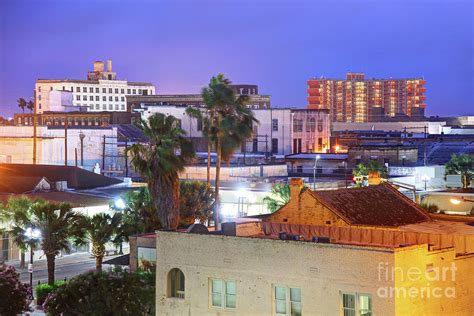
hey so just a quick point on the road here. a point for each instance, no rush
(66, 267)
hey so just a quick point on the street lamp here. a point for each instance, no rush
(425, 179)
(456, 201)
(119, 204)
(32, 234)
(314, 171)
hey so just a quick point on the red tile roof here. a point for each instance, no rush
(380, 205)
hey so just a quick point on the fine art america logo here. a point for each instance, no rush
(415, 282)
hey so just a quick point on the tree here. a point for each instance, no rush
(22, 104)
(462, 165)
(112, 293)
(14, 294)
(58, 225)
(159, 163)
(364, 169)
(15, 214)
(279, 196)
(230, 123)
(196, 202)
(30, 105)
(99, 230)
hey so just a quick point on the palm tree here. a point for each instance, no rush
(30, 105)
(279, 196)
(196, 202)
(462, 165)
(99, 230)
(159, 163)
(22, 104)
(58, 225)
(229, 123)
(15, 215)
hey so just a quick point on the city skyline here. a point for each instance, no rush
(274, 45)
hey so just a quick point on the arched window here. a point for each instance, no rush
(176, 283)
(320, 125)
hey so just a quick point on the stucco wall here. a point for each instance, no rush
(320, 270)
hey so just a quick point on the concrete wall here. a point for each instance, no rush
(16, 146)
(413, 127)
(234, 173)
(321, 271)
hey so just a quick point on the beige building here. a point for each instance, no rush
(254, 274)
(100, 92)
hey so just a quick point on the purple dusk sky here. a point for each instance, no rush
(177, 45)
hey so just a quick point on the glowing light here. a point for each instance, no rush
(455, 201)
(119, 204)
(32, 233)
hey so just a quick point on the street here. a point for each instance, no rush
(66, 267)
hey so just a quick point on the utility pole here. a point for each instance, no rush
(103, 155)
(34, 129)
(75, 156)
(65, 141)
(81, 137)
(424, 147)
(126, 158)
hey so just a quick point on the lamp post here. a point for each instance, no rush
(425, 179)
(314, 171)
(32, 234)
(345, 172)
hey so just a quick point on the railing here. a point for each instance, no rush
(180, 294)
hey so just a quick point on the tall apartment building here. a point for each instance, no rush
(357, 99)
(100, 92)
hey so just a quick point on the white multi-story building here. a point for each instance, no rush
(280, 131)
(100, 92)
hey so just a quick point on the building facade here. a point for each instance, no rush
(357, 99)
(280, 131)
(256, 100)
(100, 92)
(238, 275)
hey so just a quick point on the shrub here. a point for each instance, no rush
(104, 293)
(43, 290)
(14, 294)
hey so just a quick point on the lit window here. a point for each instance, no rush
(356, 304)
(223, 294)
(176, 283)
(287, 300)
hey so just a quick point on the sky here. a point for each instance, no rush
(178, 45)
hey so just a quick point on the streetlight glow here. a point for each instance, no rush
(455, 201)
(119, 204)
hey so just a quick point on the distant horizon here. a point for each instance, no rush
(178, 45)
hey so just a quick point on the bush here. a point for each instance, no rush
(14, 294)
(104, 293)
(43, 290)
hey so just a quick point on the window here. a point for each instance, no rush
(199, 124)
(39, 97)
(297, 125)
(84, 89)
(111, 107)
(320, 125)
(64, 88)
(122, 98)
(128, 91)
(91, 98)
(84, 98)
(116, 90)
(91, 90)
(39, 89)
(104, 107)
(78, 89)
(104, 90)
(134, 91)
(51, 88)
(287, 300)
(275, 125)
(110, 90)
(116, 107)
(96, 90)
(122, 91)
(176, 283)
(311, 124)
(104, 98)
(139, 91)
(356, 304)
(223, 294)
(97, 98)
(97, 107)
(116, 99)
(110, 98)
(274, 145)
(122, 107)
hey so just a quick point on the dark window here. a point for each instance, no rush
(274, 145)
(110, 90)
(116, 90)
(299, 169)
(320, 125)
(91, 90)
(145, 92)
(296, 145)
(275, 125)
(122, 91)
(96, 90)
(78, 89)
(199, 124)
(84, 89)
(176, 283)
(128, 91)
(311, 124)
(255, 145)
(104, 90)
(297, 125)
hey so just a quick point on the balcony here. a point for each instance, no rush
(314, 92)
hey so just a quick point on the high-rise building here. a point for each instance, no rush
(357, 99)
(100, 92)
